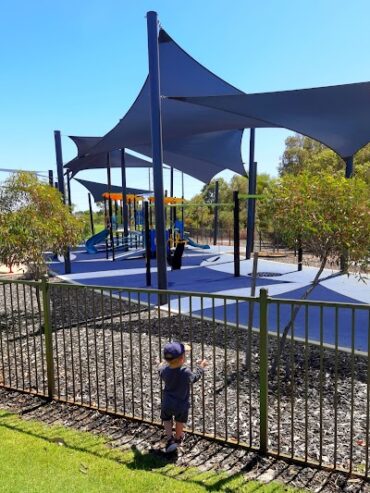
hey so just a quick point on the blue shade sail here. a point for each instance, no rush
(336, 116)
(97, 189)
(94, 161)
(201, 156)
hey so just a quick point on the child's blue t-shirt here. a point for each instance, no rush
(177, 385)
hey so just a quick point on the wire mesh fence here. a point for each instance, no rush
(306, 398)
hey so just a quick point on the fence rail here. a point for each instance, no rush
(305, 398)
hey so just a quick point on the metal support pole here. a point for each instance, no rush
(182, 196)
(106, 219)
(135, 214)
(150, 216)
(254, 202)
(250, 221)
(171, 183)
(251, 209)
(48, 336)
(91, 215)
(116, 214)
(124, 195)
(69, 191)
(110, 208)
(248, 353)
(263, 377)
(300, 256)
(165, 210)
(349, 166)
(349, 173)
(147, 244)
(215, 219)
(130, 213)
(172, 209)
(59, 160)
(156, 128)
(51, 178)
(236, 235)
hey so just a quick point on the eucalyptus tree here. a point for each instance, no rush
(33, 219)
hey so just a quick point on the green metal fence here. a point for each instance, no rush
(99, 347)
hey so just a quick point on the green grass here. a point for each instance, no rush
(38, 458)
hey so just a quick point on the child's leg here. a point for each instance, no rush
(179, 430)
(168, 428)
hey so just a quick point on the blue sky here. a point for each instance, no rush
(77, 66)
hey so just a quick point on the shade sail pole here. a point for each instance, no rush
(349, 172)
(251, 191)
(171, 184)
(124, 194)
(215, 219)
(182, 196)
(91, 214)
(110, 207)
(59, 160)
(157, 153)
(349, 166)
(69, 190)
(172, 209)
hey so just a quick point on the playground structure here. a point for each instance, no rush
(136, 224)
(139, 226)
(141, 219)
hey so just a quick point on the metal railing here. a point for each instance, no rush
(306, 400)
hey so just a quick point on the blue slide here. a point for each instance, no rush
(94, 240)
(194, 244)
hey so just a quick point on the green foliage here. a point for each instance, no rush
(98, 217)
(33, 219)
(304, 154)
(199, 216)
(328, 213)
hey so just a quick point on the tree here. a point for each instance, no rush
(203, 216)
(33, 219)
(304, 154)
(328, 214)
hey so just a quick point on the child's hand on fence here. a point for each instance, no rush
(202, 363)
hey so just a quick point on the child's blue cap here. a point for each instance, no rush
(173, 350)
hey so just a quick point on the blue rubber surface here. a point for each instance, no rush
(201, 279)
(278, 318)
(197, 279)
(79, 267)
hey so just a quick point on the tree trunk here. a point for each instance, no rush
(288, 327)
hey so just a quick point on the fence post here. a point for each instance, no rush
(48, 336)
(263, 377)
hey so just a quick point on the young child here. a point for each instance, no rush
(176, 395)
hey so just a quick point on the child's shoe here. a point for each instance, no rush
(180, 441)
(171, 445)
